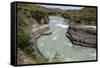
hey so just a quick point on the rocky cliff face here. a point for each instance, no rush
(39, 27)
(83, 36)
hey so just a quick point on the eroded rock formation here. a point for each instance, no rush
(83, 36)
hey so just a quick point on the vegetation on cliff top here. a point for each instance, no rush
(86, 15)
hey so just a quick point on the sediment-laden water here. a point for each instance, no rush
(58, 43)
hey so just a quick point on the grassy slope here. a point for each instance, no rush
(84, 16)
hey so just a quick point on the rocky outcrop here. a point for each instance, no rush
(44, 20)
(39, 27)
(83, 36)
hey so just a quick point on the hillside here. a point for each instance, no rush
(86, 15)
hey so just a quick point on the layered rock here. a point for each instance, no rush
(83, 36)
(39, 28)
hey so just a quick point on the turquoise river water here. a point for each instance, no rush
(58, 43)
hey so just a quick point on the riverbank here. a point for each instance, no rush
(82, 35)
(29, 28)
(37, 33)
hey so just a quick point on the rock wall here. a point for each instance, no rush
(39, 28)
(82, 36)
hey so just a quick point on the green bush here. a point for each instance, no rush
(23, 40)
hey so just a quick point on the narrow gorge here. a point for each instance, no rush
(48, 35)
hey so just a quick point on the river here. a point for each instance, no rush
(57, 43)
